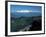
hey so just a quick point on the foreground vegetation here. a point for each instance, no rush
(20, 23)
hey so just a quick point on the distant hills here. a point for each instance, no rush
(31, 14)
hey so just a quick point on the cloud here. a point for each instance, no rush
(25, 11)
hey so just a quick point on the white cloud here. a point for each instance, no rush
(25, 11)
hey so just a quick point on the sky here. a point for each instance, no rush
(23, 10)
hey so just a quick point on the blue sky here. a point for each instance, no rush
(34, 9)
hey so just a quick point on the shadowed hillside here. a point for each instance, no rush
(19, 24)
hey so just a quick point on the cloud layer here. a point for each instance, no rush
(25, 11)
